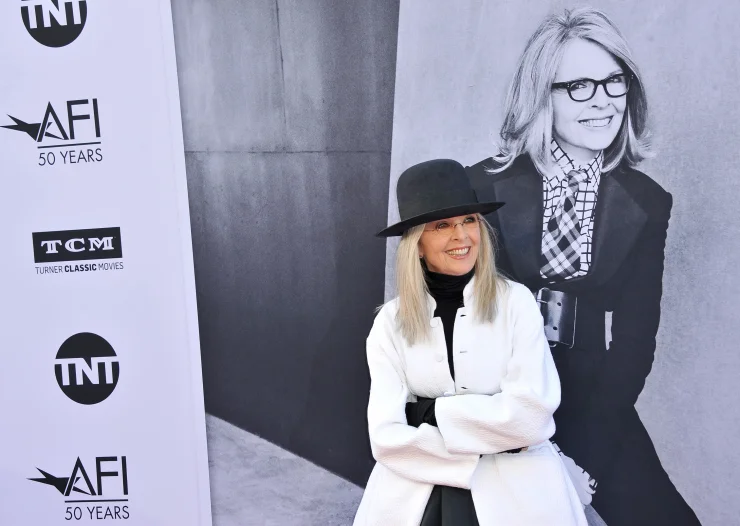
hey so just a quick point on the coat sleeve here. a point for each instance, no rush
(521, 414)
(414, 453)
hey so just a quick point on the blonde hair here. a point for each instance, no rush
(528, 119)
(413, 311)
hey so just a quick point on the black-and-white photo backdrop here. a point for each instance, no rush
(100, 389)
(648, 410)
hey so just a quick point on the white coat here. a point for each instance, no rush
(505, 391)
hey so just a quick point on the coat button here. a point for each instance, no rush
(439, 357)
(435, 322)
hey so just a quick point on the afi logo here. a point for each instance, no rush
(77, 245)
(86, 368)
(79, 480)
(54, 23)
(52, 127)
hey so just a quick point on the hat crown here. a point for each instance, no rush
(435, 190)
(433, 185)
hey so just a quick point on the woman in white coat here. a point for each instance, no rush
(463, 385)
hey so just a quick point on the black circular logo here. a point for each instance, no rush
(86, 368)
(54, 23)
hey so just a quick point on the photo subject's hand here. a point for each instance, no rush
(582, 481)
(421, 412)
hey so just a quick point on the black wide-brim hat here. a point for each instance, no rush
(435, 190)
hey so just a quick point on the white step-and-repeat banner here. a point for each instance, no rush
(101, 398)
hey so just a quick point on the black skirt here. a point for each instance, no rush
(448, 506)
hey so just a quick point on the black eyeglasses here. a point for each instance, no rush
(581, 90)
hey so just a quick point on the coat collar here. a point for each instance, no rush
(619, 219)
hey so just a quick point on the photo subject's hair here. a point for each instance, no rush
(413, 309)
(528, 115)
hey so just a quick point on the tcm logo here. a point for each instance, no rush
(54, 23)
(89, 492)
(86, 368)
(74, 127)
(77, 245)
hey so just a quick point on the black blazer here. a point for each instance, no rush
(599, 386)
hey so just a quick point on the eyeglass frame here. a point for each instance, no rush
(475, 216)
(628, 77)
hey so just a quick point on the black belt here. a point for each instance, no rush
(558, 310)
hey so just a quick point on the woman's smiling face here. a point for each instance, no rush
(583, 129)
(450, 246)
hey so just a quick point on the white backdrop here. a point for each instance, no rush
(136, 422)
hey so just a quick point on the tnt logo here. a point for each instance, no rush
(86, 368)
(54, 23)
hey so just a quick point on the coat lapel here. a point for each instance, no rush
(618, 222)
(520, 222)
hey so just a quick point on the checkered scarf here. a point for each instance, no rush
(570, 194)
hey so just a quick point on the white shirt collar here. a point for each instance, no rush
(565, 164)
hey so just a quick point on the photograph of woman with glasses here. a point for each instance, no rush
(462, 383)
(585, 231)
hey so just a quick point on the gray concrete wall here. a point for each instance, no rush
(287, 109)
(455, 60)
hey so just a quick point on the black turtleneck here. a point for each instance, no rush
(447, 291)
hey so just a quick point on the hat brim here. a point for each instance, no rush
(435, 215)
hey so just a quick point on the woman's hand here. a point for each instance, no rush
(421, 412)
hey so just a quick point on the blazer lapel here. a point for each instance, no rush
(618, 222)
(520, 221)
